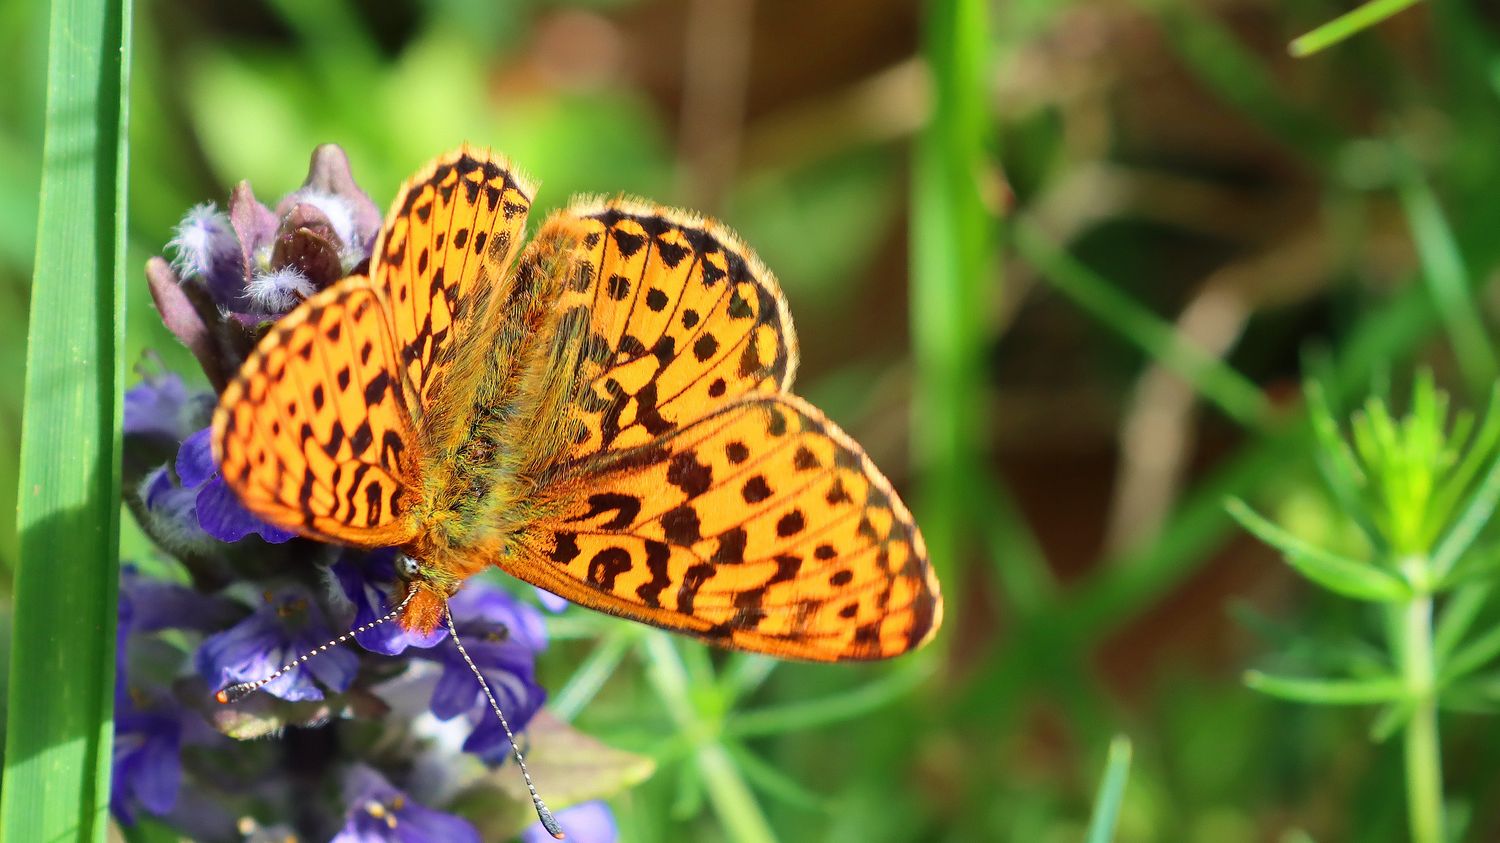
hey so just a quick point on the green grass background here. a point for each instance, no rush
(1060, 266)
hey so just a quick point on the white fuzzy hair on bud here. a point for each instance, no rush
(203, 236)
(278, 290)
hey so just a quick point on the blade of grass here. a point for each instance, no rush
(1346, 25)
(1111, 792)
(1216, 381)
(811, 714)
(59, 730)
(951, 270)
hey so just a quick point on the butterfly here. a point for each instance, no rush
(603, 412)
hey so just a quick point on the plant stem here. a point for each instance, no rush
(1424, 771)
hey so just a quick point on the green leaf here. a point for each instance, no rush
(1327, 691)
(568, 767)
(59, 730)
(1470, 522)
(1111, 792)
(1358, 580)
(1471, 656)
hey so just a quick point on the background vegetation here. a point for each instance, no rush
(1061, 266)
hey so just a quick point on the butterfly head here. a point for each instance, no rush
(428, 592)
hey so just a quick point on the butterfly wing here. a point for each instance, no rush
(329, 424)
(443, 261)
(660, 316)
(313, 434)
(761, 526)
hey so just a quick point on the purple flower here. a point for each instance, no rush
(503, 636)
(150, 605)
(286, 626)
(368, 580)
(205, 248)
(161, 406)
(147, 765)
(172, 513)
(588, 822)
(551, 602)
(231, 273)
(218, 510)
(379, 813)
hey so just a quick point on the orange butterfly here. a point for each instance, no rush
(603, 414)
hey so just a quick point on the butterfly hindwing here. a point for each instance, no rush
(314, 433)
(760, 526)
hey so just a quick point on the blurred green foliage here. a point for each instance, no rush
(1192, 221)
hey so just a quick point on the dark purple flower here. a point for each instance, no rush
(219, 511)
(172, 512)
(161, 405)
(206, 249)
(150, 605)
(588, 822)
(503, 636)
(147, 764)
(379, 813)
(368, 580)
(286, 626)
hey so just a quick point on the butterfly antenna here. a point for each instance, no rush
(235, 693)
(549, 822)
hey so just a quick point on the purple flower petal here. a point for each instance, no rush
(589, 822)
(367, 580)
(502, 636)
(195, 459)
(487, 613)
(150, 605)
(222, 516)
(519, 697)
(147, 766)
(551, 602)
(161, 406)
(379, 813)
(205, 247)
(172, 510)
(286, 626)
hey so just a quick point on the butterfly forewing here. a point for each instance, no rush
(314, 434)
(760, 526)
(443, 259)
(671, 315)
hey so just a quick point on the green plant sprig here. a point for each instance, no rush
(1420, 489)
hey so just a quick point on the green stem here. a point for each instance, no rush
(590, 676)
(739, 813)
(1346, 25)
(1424, 771)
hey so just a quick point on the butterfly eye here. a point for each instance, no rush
(406, 567)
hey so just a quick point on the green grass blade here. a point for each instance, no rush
(951, 271)
(1218, 383)
(846, 705)
(1346, 25)
(59, 730)
(1111, 792)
